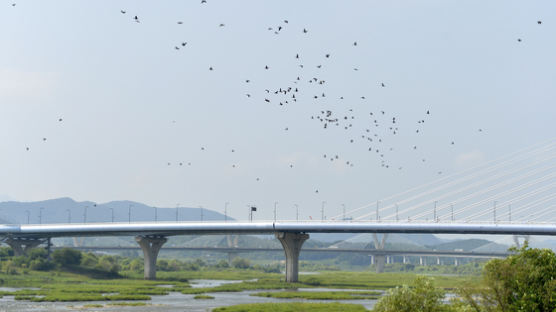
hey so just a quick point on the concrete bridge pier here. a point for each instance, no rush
(151, 246)
(380, 261)
(231, 257)
(292, 243)
(20, 246)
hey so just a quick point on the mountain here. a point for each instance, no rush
(67, 210)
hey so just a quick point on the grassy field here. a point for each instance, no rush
(293, 307)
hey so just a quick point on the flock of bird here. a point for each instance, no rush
(369, 129)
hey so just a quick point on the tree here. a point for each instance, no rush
(423, 296)
(525, 281)
(66, 257)
(240, 263)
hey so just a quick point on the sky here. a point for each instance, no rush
(133, 106)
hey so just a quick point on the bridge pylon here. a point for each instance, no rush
(151, 246)
(292, 243)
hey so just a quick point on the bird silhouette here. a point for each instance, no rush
(122, 11)
(305, 30)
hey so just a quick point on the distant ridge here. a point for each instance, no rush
(62, 210)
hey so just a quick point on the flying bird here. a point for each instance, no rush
(122, 11)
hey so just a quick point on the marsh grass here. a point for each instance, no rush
(321, 295)
(203, 297)
(293, 307)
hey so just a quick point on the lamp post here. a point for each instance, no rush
(296, 212)
(275, 205)
(85, 214)
(155, 214)
(69, 215)
(343, 212)
(177, 206)
(377, 204)
(28, 215)
(322, 211)
(226, 211)
(112, 214)
(202, 216)
(40, 214)
(129, 214)
(251, 210)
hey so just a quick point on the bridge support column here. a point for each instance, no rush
(20, 246)
(151, 246)
(292, 243)
(380, 260)
(231, 257)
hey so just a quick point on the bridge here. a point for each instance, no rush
(512, 195)
(151, 236)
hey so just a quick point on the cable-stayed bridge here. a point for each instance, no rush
(513, 195)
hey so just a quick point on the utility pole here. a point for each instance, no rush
(296, 212)
(377, 203)
(155, 214)
(177, 206)
(397, 216)
(112, 214)
(275, 205)
(129, 214)
(322, 211)
(202, 216)
(226, 211)
(28, 215)
(85, 214)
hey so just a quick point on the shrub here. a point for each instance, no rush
(422, 297)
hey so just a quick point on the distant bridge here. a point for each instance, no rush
(377, 252)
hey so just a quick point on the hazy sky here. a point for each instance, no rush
(131, 103)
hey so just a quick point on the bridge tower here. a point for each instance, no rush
(380, 259)
(292, 243)
(151, 246)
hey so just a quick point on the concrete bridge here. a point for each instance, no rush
(151, 236)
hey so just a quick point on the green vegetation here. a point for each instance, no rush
(203, 297)
(293, 307)
(525, 281)
(423, 296)
(321, 295)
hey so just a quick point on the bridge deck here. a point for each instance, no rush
(269, 227)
